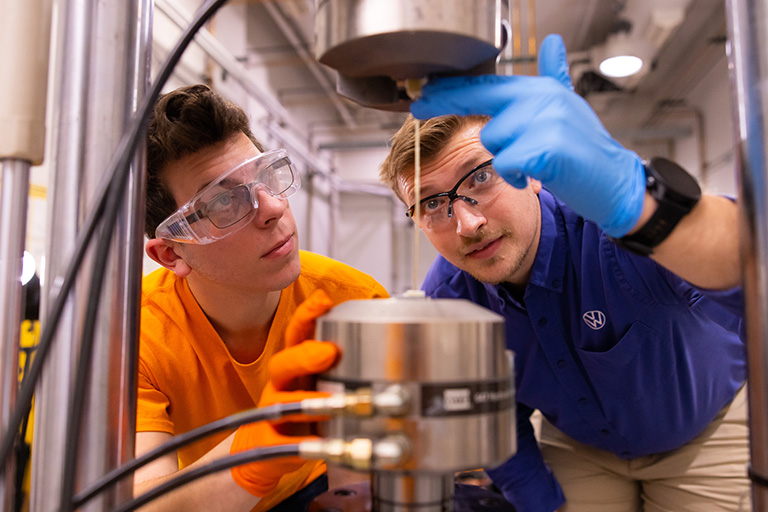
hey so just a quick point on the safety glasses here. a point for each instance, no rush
(230, 203)
(479, 186)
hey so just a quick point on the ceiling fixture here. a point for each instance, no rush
(623, 55)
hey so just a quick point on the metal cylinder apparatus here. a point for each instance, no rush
(449, 358)
(373, 44)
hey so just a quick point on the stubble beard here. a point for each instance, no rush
(486, 271)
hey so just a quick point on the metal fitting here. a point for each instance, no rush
(393, 401)
(357, 402)
(361, 453)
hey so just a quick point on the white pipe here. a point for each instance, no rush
(24, 44)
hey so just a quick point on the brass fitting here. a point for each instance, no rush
(361, 453)
(393, 401)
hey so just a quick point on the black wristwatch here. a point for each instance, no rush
(676, 191)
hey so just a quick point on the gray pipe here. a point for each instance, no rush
(13, 229)
(99, 69)
(748, 37)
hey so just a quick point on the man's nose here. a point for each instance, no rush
(468, 218)
(269, 207)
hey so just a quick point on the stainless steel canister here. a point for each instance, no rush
(373, 44)
(450, 357)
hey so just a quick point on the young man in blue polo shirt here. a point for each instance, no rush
(619, 282)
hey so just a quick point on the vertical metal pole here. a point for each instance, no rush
(748, 58)
(22, 140)
(13, 229)
(100, 66)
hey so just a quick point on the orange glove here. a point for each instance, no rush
(300, 359)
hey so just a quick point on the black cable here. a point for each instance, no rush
(232, 421)
(254, 455)
(118, 171)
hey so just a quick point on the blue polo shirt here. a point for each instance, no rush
(613, 349)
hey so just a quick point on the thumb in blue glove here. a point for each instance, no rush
(542, 129)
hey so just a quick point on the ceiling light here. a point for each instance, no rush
(623, 55)
(621, 66)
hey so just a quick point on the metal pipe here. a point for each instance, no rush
(13, 229)
(327, 84)
(22, 140)
(68, 71)
(100, 58)
(223, 57)
(748, 36)
(215, 50)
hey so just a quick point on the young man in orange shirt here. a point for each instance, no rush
(214, 316)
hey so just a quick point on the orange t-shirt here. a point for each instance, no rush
(187, 377)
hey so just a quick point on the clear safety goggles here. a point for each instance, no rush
(230, 203)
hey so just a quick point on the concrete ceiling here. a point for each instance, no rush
(280, 43)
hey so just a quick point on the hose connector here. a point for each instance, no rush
(386, 453)
(393, 401)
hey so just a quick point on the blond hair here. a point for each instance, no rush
(434, 134)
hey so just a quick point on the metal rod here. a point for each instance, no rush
(411, 492)
(65, 153)
(748, 36)
(13, 229)
(100, 58)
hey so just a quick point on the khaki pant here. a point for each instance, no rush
(708, 474)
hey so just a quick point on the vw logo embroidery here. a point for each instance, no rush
(595, 319)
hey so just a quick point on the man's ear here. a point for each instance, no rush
(164, 253)
(535, 185)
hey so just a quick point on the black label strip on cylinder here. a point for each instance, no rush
(461, 399)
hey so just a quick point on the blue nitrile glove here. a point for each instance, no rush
(542, 129)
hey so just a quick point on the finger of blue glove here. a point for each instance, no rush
(464, 95)
(614, 201)
(516, 179)
(488, 94)
(553, 60)
(560, 142)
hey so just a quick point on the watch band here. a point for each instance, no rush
(653, 232)
(676, 193)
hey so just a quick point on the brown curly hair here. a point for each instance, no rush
(183, 122)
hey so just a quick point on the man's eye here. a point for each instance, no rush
(222, 201)
(482, 176)
(432, 204)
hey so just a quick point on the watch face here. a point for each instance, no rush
(678, 185)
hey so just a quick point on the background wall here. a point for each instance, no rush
(341, 210)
